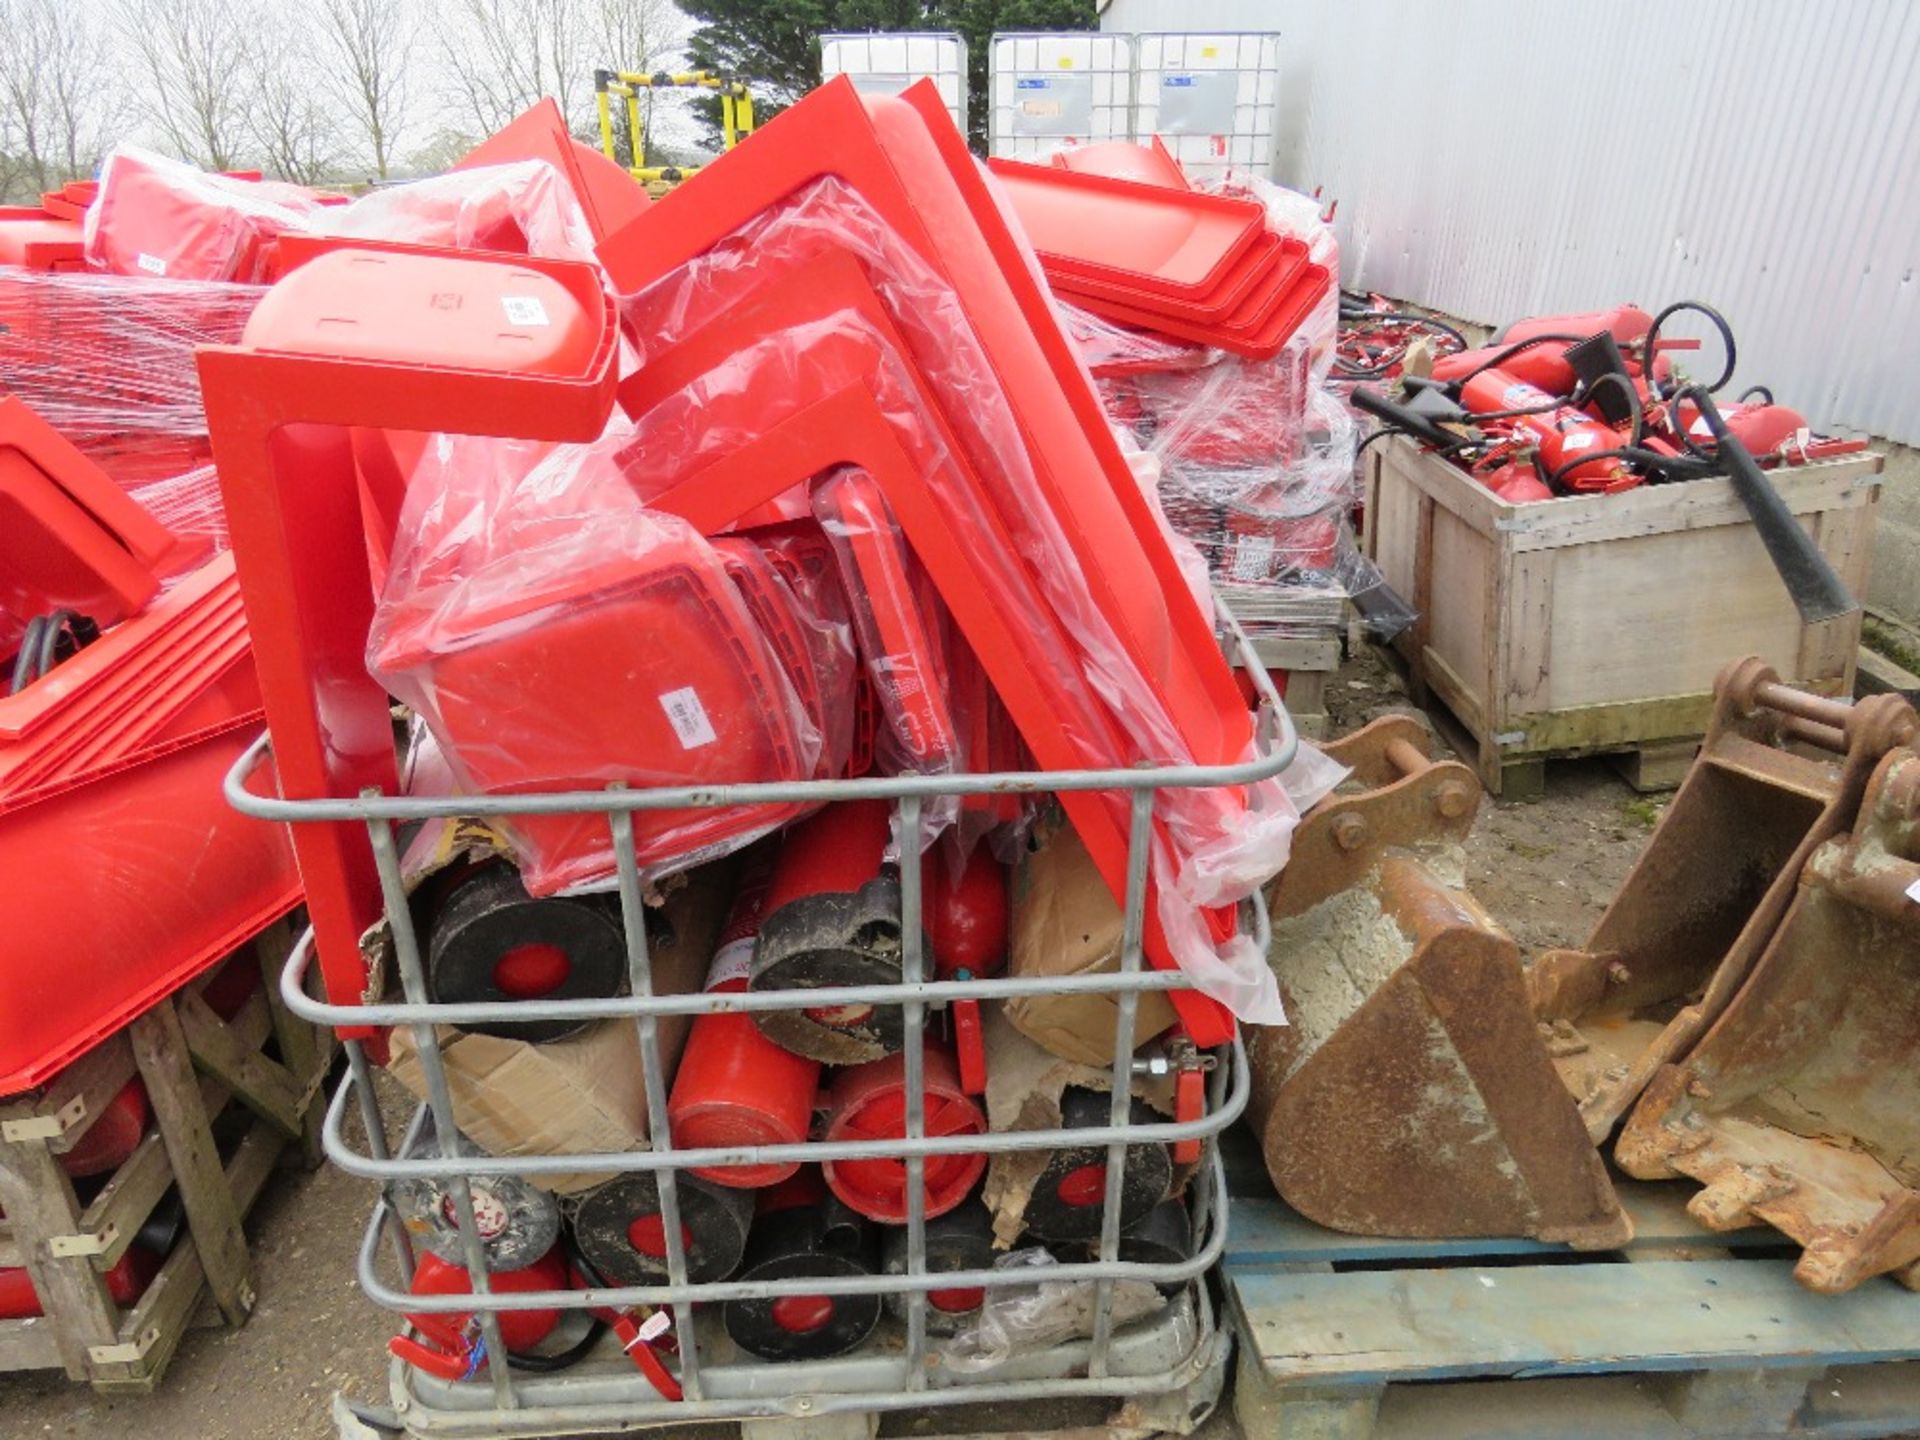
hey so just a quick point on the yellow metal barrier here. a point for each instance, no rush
(736, 115)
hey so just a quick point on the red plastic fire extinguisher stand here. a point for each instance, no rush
(393, 337)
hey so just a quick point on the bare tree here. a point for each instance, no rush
(54, 96)
(636, 34)
(503, 55)
(366, 51)
(200, 75)
(291, 124)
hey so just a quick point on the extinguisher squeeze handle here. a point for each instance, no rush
(1401, 418)
(969, 1046)
(1189, 1103)
(448, 1356)
(639, 1348)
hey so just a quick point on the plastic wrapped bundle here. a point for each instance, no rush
(524, 209)
(160, 217)
(906, 341)
(554, 635)
(108, 361)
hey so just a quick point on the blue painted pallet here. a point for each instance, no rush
(1711, 1334)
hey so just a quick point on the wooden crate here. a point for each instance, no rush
(1596, 625)
(194, 1066)
(1685, 1333)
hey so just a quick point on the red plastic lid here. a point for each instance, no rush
(426, 309)
(869, 1103)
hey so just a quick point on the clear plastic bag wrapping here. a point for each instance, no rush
(1017, 1319)
(526, 208)
(108, 361)
(1213, 846)
(556, 635)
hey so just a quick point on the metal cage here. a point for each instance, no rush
(1177, 1354)
(1049, 90)
(885, 63)
(1211, 98)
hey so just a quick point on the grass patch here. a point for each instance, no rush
(1529, 852)
(1891, 641)
(1643, 810)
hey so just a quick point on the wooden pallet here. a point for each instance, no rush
(1683, 1334)
(1648, 766)
(194, 1066)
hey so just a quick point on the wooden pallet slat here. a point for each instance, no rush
(39, 1200)
(1342, 1337)
(1267, 1232)
(194, 1069)
(1364, 1327)
(160, 1049)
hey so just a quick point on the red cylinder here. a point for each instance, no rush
(735, 1087)
(1763, 429)
(1626, 323)
(1515, 482)
(966, 915)
(1544, 365)
(869, 1102)
(519, 1329)
(1561, 432)
(833, 852)
(114, 1134)
(127, 1281)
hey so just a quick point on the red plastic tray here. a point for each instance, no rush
(1182, 241)
(123, 889)
(1263, 337)
(1149, 164)
(1270, 265)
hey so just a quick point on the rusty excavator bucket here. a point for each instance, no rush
(1801, 1107)
(1684, 931)
(1410, 1094)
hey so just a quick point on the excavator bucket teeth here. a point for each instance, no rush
(1801, 1107)
(1410, 1094)
(1780, 772)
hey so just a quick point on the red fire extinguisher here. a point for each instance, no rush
(869, 1102)
(449, 1345)
(961, 1239)
(803, 1231)
(832, 918)
(1067, 1198)
(622, 1233)
(735, 1087)
(967, 925)
(1562, 433)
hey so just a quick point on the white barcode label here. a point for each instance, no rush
(524, 310)
(688, 717)
(1253, 557)
(732, 961)
(152, 264)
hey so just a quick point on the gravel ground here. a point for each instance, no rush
(1545, 868)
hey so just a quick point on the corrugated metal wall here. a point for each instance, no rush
(1495, 158)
